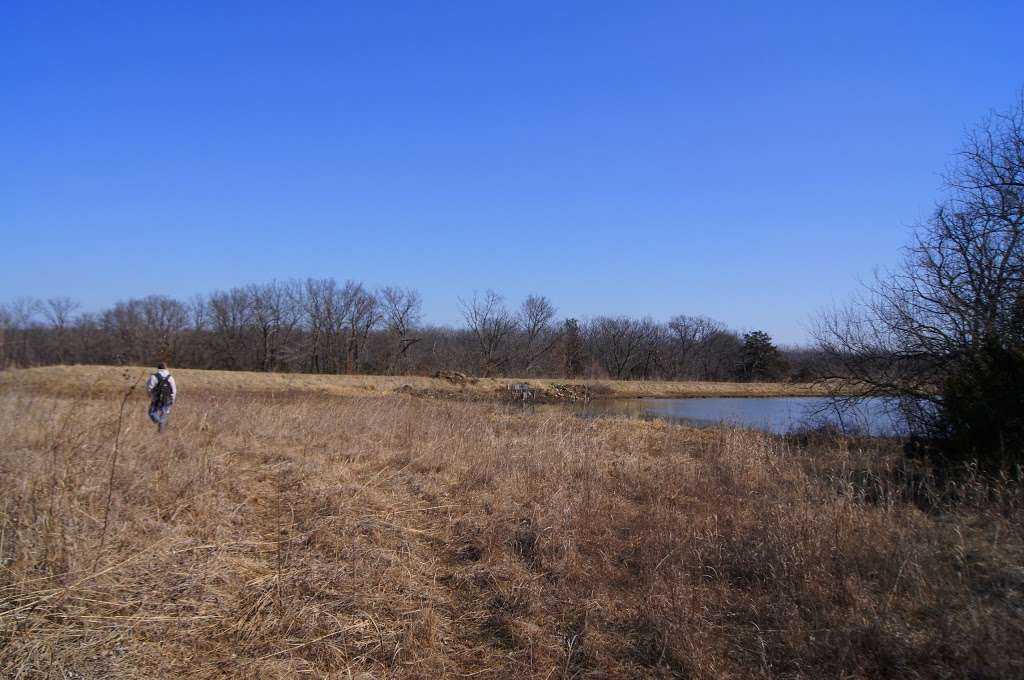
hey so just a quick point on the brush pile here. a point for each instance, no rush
(456, 378)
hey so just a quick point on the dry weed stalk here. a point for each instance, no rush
(113, 465)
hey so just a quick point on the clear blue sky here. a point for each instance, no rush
(749, 162)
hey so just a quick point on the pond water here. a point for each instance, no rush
(779, 415)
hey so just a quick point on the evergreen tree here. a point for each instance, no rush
(573, 349)
(760, 359)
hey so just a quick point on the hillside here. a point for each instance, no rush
(108, 379)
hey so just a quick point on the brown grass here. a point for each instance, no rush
(106, 379)
(282, 534)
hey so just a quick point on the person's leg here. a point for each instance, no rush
(154, 413)
(165, 413)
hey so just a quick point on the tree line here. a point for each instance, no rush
(323, 326)
(942, 335)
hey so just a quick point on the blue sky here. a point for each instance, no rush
(749, 162)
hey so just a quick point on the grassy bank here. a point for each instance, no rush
(110, 379)
(286, 533)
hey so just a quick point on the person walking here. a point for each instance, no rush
(162, 393)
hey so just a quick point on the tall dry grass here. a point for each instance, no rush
(309, 535)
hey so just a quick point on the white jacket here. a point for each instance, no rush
(151, 383)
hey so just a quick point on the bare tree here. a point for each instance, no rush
(536, 323)
(650, 359)
(6, 333)
(230, 316)
(145, 328)
(58, 312)
(689, 338)
(89, 339)
(165, 319)
(337, 323)
(124, 324)
(359, 314)
(490, 324)
(275, 316)
(401, 310)
(18, 318)
(948, 314)
(319, 316)
(617, 343)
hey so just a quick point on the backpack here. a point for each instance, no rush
(162, 393)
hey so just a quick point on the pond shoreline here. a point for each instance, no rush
(776, 415)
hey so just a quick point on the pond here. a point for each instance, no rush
(779, 415)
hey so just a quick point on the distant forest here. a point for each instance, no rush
(321, 326)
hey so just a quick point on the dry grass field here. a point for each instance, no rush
(106, 379)
(301, 526)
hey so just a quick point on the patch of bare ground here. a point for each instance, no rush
(302, 534)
